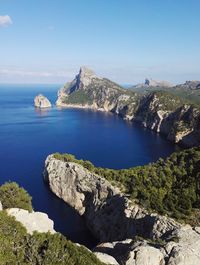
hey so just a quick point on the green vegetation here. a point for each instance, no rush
(18, 247)
(192, 96)
(12, 196)
(167, 101)
(78, 97)
(188, 96)
(170, 186)
(97, 91)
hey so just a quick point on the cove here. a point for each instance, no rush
(28, 136)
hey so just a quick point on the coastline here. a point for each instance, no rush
(126, 118)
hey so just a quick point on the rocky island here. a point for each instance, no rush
(160, 111)
(41, 102)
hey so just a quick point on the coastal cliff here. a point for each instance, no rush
(134, 235)
(160, 111)
(110, 215)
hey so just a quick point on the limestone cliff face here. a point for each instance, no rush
(180, 123)
(112, 217)
(158, 111)
(41, 102)
(109, 214)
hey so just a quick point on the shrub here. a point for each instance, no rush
(12, 196)
(18, 247)
(12, 243)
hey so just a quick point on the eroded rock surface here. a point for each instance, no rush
(134, 236)
(34, 221)
(110, 215)
(41, 102)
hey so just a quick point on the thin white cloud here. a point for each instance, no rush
(32, 73)
(5, 21)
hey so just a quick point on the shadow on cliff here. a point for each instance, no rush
(115, 220)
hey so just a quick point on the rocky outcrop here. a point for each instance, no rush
(154, 83)
(41, 102)
(34, 221)
(191, 85)
(109, 214)
(182, 247)
(149, 82)
(158, 111)
(134, 235)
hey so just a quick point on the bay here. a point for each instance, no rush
(28, 136)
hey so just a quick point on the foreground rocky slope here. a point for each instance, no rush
(159, 111)
(137, 236)
(28, 238)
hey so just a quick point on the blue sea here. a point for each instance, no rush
(28, 136)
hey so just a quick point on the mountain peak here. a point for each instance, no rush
(85, 76)
(84, 71)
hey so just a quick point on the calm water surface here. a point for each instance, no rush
(28, 135)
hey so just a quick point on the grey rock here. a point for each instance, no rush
(110, 215)
(191, 85)
(187, 250)
(116, 221)
(145, 255)
(154, 83)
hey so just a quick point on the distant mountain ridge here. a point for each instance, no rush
(192, 85)
(158, 110)
(149, 82)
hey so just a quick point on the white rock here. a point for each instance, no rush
(187, 250)
(145, 255)
(105, 258)
(34, 221)
(41, 101)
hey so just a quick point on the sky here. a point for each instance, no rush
(46, 41)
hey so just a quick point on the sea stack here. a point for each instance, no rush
(41, 102)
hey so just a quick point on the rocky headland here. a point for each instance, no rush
(42, 102)
(159, 111)
(128, 233)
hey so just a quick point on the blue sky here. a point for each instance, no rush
(46, 41)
